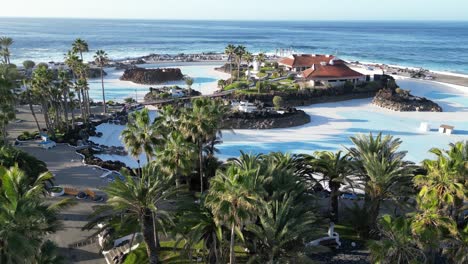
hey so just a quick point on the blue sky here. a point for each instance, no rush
(242, 9)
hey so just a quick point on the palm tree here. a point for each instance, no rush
(28, 66)
(383, 171)
(201, 124)
(261, 58)
(80, 46)
(189, 83)
(64, 85)
(281, 230)
(248, 57)
(72, 61)
(440, 187)
(231, 52)
(199, 225)
(7, 106)
(42, 81)
(101, 59)
(176, 156)
(140, 135)
(234, 197)
(26, 219)
(336, 171)
(397, 244)
(144, 198)
(450, 171)
(221, 84)
(5, 43)
(239, 52)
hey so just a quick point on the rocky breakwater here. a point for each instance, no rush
(265, 119)
(402, 101)
(152, 76)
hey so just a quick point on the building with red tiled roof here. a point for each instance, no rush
(302, 62)
(322, 70)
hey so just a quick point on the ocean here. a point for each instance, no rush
(441, 46)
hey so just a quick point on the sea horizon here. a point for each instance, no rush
(436, 45)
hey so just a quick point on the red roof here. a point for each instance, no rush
(337, 70)
(305, 60)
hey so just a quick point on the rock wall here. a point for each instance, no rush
(152, 76)
(388, 99)
(265, 120)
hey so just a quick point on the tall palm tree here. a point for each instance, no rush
(145, 198)
(248, 57)
(80, 46)
(26, 219)
(28, 66)
(261, 58)
(199, 125)
(397, 244)
(101, 59)
(42, 81)
(230, 51)
(234, 197)
(5, 43)
(140, 135)
(7, 106)
(239, 52)
(176, 156)
(64, 84)
(335, 169)
(382, 168)
(72, 61)
(189, 83)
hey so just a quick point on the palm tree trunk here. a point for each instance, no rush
(155, 231)
(200, 160)
(374, 209)
(230, 68)
(65, 107)
(215, 247)
(238, 68)
(89, 102)
(335, 188)
(103, 94)
(80, 103)
(34, 114)
(4, 133)
(231, 245)
(148, 236)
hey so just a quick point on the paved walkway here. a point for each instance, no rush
(68, 169)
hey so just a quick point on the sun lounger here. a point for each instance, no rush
(71, 191)
(93, 196)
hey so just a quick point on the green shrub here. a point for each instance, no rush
(262, 71)
(236, 85)
(290, 77)
(297, 86)
(399, 91)
(278, 102)
(275, 75)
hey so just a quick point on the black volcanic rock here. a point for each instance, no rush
(265, 120)
(152, 76)
(403, 101)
